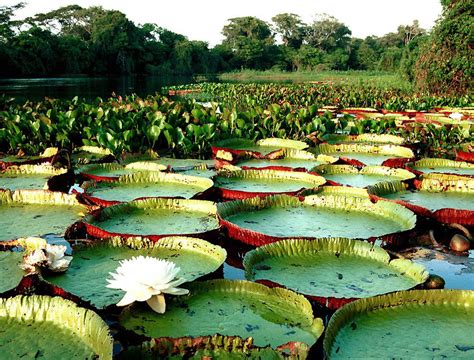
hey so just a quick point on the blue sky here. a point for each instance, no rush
(204, 19)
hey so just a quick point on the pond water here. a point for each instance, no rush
(89, 87)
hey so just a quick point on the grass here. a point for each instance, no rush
(353, 77)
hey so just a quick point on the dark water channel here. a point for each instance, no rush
(90, 87)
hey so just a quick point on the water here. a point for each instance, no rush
(90, 87)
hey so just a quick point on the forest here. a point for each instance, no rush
(96, 41)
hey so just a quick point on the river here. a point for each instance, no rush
(89, 87)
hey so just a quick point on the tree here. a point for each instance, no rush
(291, 29)
(115, 42)
(446, 63)
(69, 20)
(192, 57)
(6, 13)
(368, 53)
(73, 55)
(251, 41)
(35, 52)
(328, 34)
(308, 58)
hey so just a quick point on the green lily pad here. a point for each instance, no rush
(199, 172)
(367, 154)
(317, 216)
(433, 195)
(28, 177)
(443, 166)
(234, 308)
(263, 146)
(283, 143)
(12, 274)
(435, 200)
(363, 138)
(418, 324)
(343, 191)
(267, 181)
(107, 169)
(292, 158)
(40, 212)
(183, 164)
(18, 160)
(153, 184)
(92, 263)
(191, 167)
(90, 154)
(337, 268)
(154, 217)
(367, 176)
(51, 328)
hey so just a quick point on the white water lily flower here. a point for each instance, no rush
(455, 116)
(48, 256)
(57, 261)
(34, 259)
(147, 279)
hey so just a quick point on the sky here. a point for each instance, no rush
(204, 19)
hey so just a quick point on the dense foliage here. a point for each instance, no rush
(76, 40)
(187, 127)
(96, 41)
(446, 62)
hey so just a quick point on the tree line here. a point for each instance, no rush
(96, 41)
(76, 40)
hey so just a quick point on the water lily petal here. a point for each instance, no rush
(157, 303)
(140, 294)
(126, 300)
(60, 265)
(176, 291)
(35, 258)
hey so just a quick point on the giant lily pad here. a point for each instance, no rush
(331, 270)
(154, 218)
(447, 198)
(92, 262)
(12, 274)
(366, 154)
(35, 212)
(291, 158)
(183, 164)
(192, 167)
(243, 184)
(46, 157)
(141, 185)
(11, 258)
(417, 324)
(28, 177)
(443, 166)
(260, 221)
(232, 149)
(233, 308)
(363, 138)
(52, 328)
(367, 176)
(91, 154)
(109, 172)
